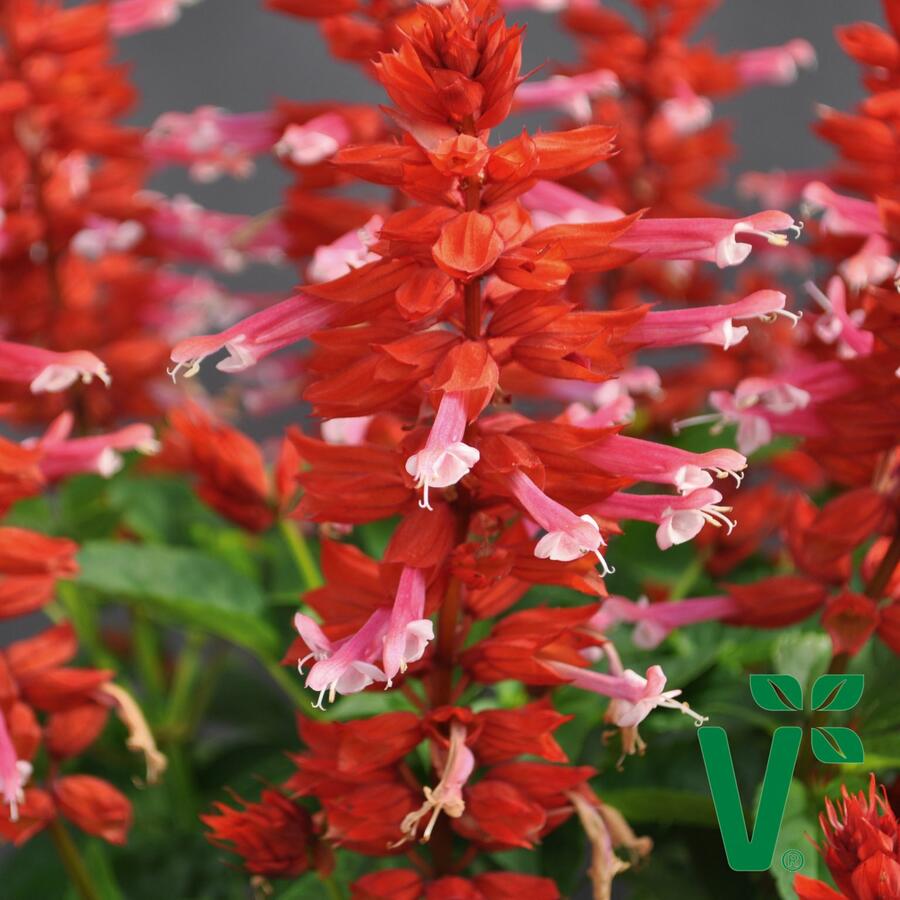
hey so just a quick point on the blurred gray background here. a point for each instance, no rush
(238, 55)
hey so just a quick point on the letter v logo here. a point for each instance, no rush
(750, 854)
(835, 745)
(776, 693)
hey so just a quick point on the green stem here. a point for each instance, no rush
(72, 861)
(303, 556)
(148, 656)
(81, 611)
(334, 892)
(184, 686)
(688, 578)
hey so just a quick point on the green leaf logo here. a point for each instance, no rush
(777, 693)
(837, 745)
(837, 693)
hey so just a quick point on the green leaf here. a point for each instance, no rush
(159, 509)
(837, 745)
(846, 690)
(181, 586)
(776, 693)
(802, 654)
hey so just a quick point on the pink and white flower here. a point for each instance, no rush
(408, 631)
(634, 696)
(568, 536)
(210, 141)
(839, 325)
(842, 214)
(347, 432)
(255, 337)
(101, 236)
(132, 16)
(14, 772)
(686, 112)
(680, 518)
(446, 796)
(346, 666)
(572, 94)
(663, 464)
(725, 242)
(445, 459)
(348, 252)
(709, 324)
(188, 232)
(314, 141)
(654, 622)
(47, 371)
(761, 407)
(100, 454)
(870, 265)
(775, 65)
(553, 204)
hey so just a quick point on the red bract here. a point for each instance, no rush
(861, 848)
(275, 837)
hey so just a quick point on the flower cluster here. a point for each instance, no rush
(429, 329)
(71, 228)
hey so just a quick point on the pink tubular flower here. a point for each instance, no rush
(210, 141)
(14, 772)
(408, 632)
(777, 188)
(446, 797)
(722, 241)
(255, 337)
(342, 667)
(195, 303)
(568, 536)
(839, 325)
(655, 621)
(662, 463)
(634, 696)
(870, 265)
(842, 214)
(708, 324)
(101, 453)
(103, 236)
(47, 371)
(680, 518)
(445, 459)
(315, 140)
(686, 112)
(775, 65)
(348, 432)
(762, 407)
(132, 16)
(350, 251)
(227, 241)
(571, 94)
(552, 204)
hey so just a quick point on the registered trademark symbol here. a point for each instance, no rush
(792, 860)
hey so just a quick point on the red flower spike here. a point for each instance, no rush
(275, 837)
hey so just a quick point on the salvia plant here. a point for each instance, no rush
(574, 449)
